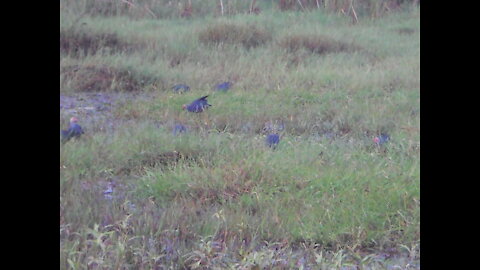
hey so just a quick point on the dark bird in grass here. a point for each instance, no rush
(75, 130)
(382, 139)
(273, 140)
(223, 86)
(197, 106)
(178, 129)
(181, 88)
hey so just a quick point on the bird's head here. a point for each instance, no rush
(73, 120)
(184, 106)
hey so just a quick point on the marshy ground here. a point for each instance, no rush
(134, 195)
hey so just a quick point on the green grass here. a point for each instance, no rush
(217, 197)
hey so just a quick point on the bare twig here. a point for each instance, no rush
(221, 6)
(252, 5)
(150, 12)
(300, 3)
(318, 5)
(354, 14)
(385, 7)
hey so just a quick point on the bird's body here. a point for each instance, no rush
(382, 139)
(273, 140)
(198, 105)
(180, 88)
(179, 128)
(223, 86)
(74, 131)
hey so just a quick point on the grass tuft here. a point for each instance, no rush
(318, 44)
(93, 78)
(248, 36)
(77, 42)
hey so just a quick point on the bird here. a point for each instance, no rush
(179, 128)
(223, 86)
(382, 139)
(197, 106)
(273, 140)
(75, 130)
(181, 88)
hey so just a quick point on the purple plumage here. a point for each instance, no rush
(198, 105)
(75, 130)
(382, 139)
(223, 86)
(179, 128)
(273, 140)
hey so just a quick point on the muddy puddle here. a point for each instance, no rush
(90, 104)
(95, 111)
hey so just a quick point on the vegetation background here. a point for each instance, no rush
(326, 75)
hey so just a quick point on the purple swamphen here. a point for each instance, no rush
(197, 106)
(382, 139)
(179, 128)
(273, 140)
(223, 86)
(75, 130)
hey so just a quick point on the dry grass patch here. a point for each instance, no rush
(104, 78)
(318, 44)
(81, 42)
(246, 35)
(405, 31)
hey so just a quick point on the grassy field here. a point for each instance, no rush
(217, 197)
